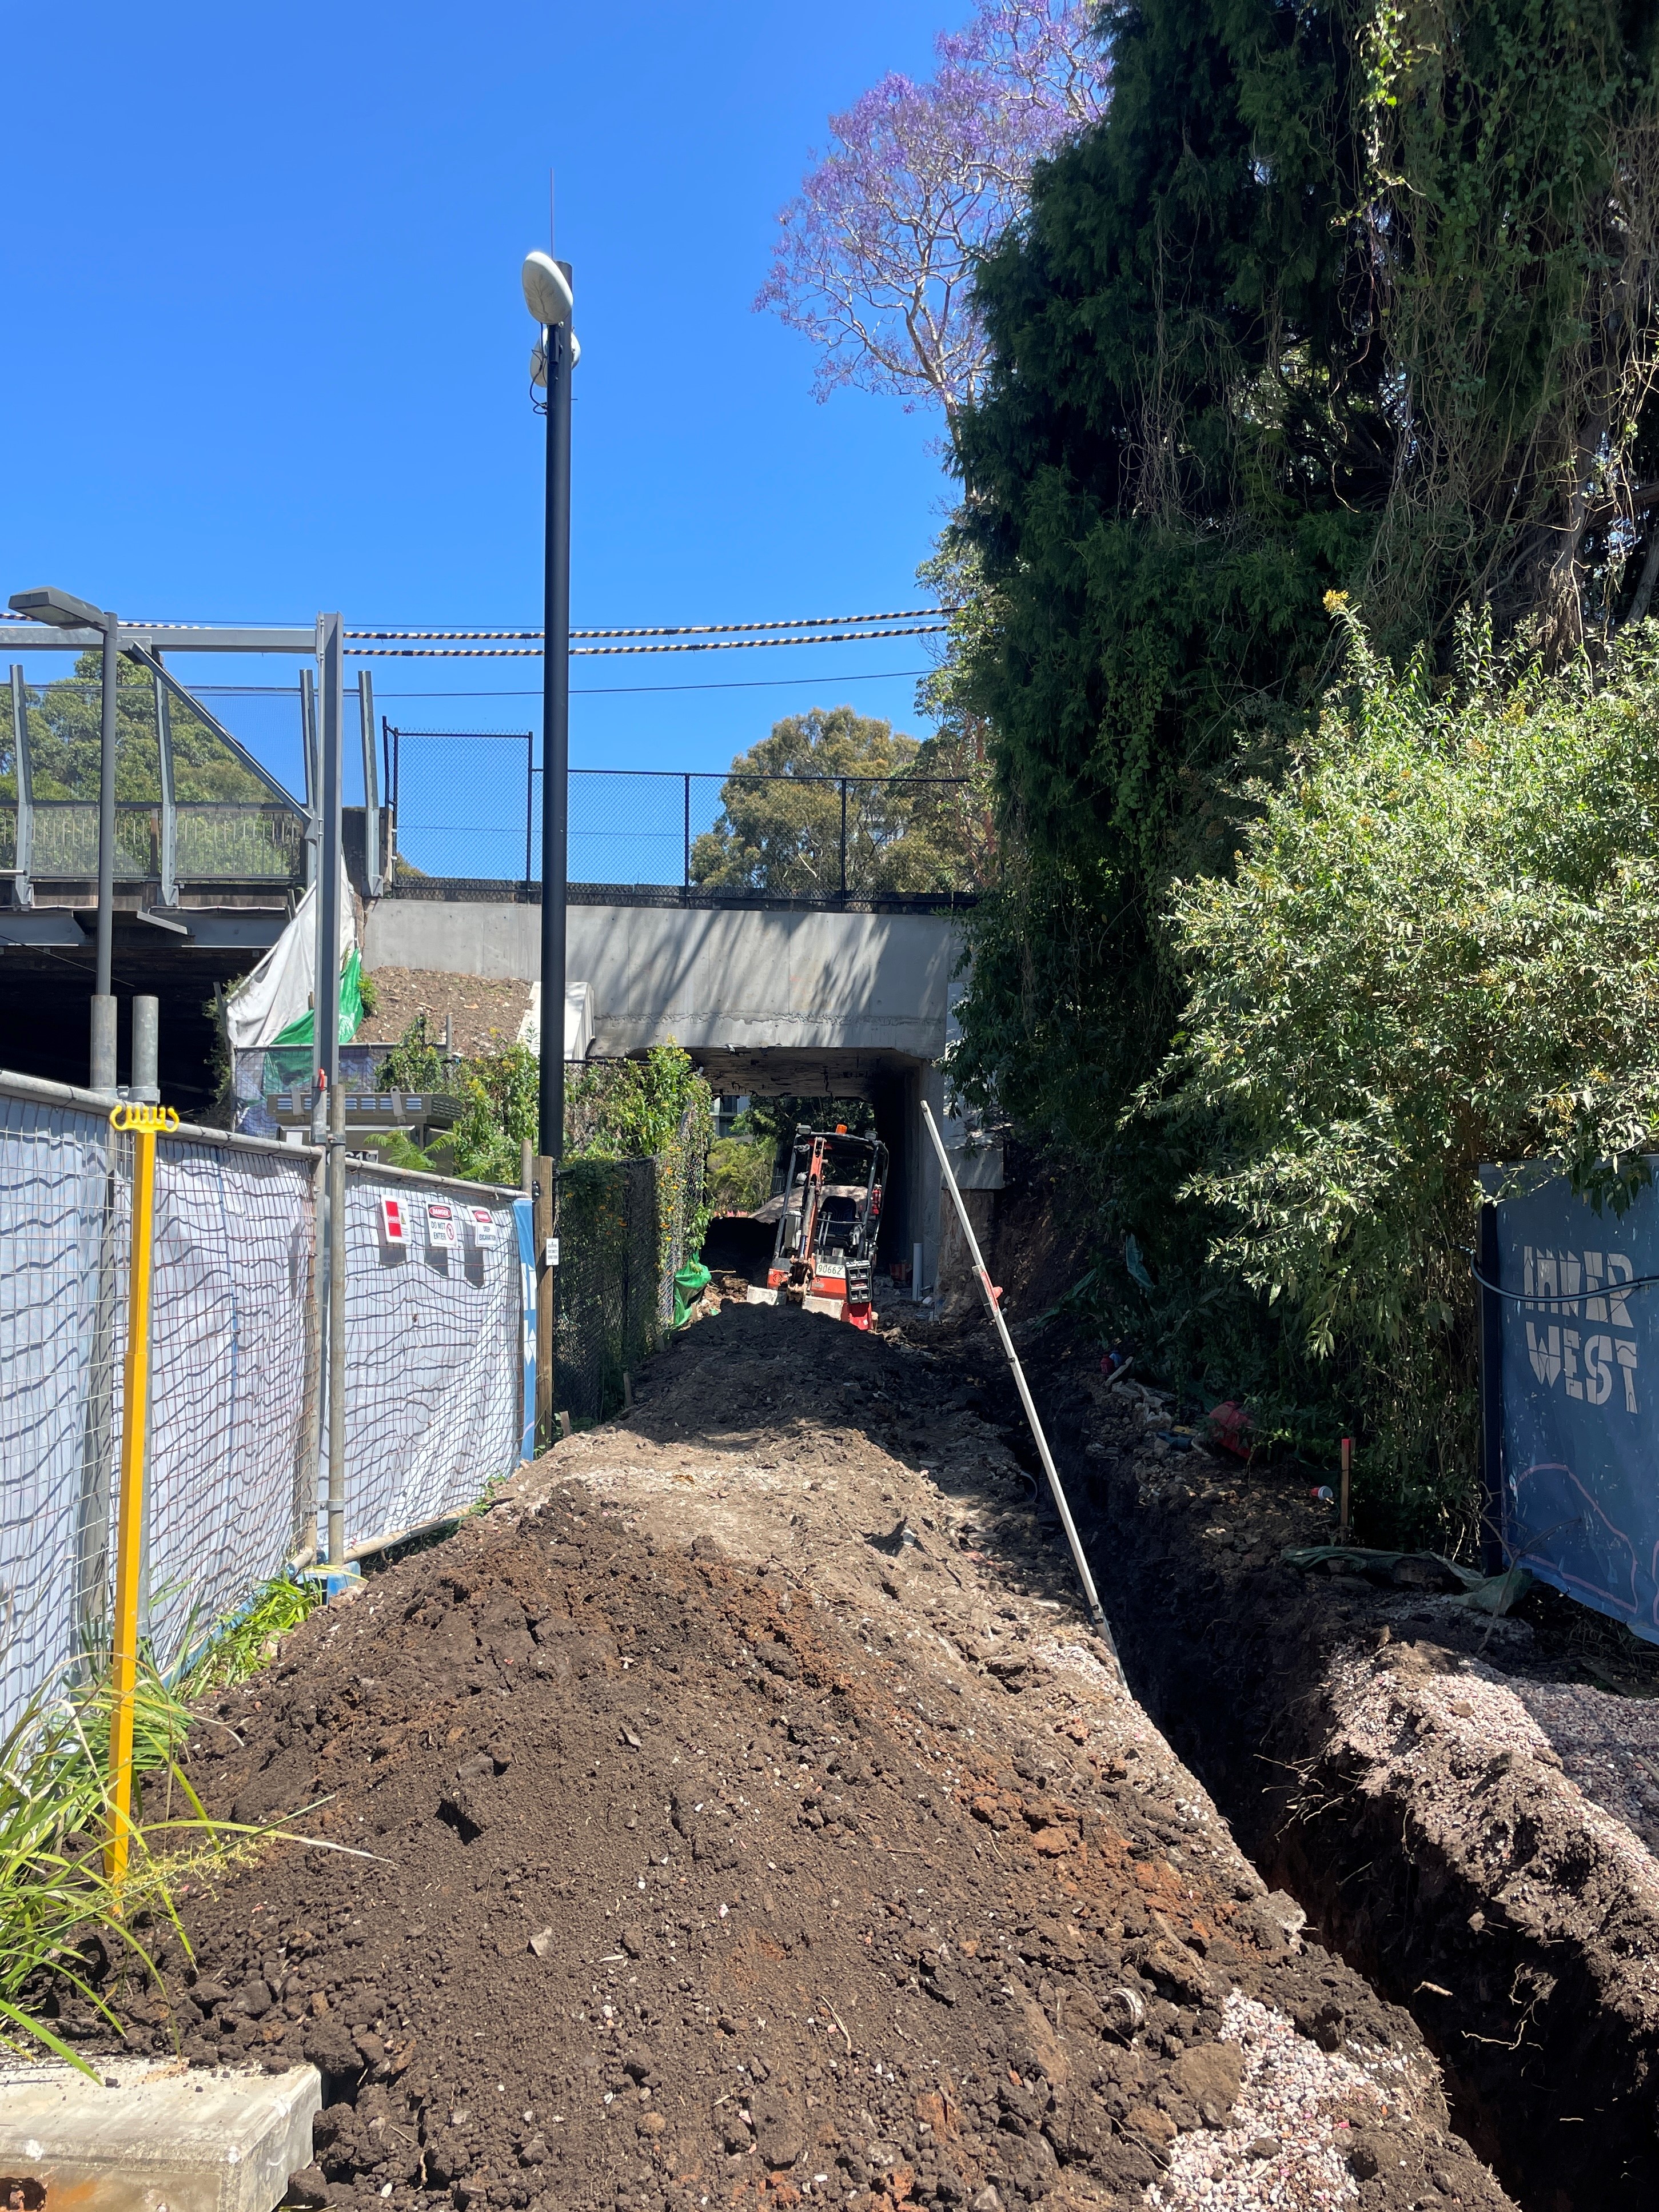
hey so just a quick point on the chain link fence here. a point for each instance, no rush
(435, 1333)
(435, 1387)
(625, 1229)
(468, 808)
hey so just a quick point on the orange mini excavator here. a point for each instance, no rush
(827, 1232)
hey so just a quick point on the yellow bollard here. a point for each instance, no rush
(144, 1122)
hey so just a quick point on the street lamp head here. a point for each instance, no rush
(547, 291)
(61, 610)
(539, 360)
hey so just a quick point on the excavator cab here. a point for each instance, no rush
(826, 1240)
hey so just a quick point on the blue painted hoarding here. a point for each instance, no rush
(1573, 1329)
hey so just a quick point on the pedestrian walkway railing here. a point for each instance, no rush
(467, 808)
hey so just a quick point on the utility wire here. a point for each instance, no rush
(534, 652)
(668, 629)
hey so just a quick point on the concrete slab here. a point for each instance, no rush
(153, 2135)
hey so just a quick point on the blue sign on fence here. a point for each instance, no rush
(1576, 1338)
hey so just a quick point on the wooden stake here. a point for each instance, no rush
(1347, 1471)
(545, 1220)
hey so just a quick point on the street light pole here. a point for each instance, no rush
(555, 734)
(549, 296)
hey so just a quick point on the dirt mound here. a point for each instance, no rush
(687, 1881)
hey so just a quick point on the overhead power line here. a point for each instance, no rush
(666, 629)
(707, 645)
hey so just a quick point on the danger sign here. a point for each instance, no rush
(442, 1228)
(394, 1221)
(482, 1222)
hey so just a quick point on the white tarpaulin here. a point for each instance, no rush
(578, 1021)
(279, 990)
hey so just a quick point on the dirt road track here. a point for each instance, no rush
(754, 1822)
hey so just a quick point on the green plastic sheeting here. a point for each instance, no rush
(1496, 1594)
(351, 1007)
(692, 1280)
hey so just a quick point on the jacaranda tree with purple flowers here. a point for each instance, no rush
(875, 257)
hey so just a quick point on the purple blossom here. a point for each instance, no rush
(875, 259)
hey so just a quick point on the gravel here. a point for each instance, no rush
(1286, 2146)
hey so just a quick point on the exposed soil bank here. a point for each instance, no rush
(1396, 1764)
(752, 1821)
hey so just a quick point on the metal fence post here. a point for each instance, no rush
(325, 985)
(169, 855)
(308, 1452)
(144, 1122)
(529, 809)
(337, 1325)
(688, 833)
(22, 889)
(843, 836)
(372, 872)
(308, 752)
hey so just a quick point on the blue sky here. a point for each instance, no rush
(267, 352)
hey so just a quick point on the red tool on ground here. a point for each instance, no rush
(831, 1216)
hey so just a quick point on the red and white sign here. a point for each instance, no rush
(482, 1222)
(442, 1231)
(394, 1221)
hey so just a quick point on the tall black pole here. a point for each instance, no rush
(555, 738)
(325, 996)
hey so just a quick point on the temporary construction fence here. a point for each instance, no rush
(1569, 1384)
(436, 1380)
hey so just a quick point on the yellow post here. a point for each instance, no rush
(144, 1122)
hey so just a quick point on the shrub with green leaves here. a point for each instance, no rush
(1439, 947)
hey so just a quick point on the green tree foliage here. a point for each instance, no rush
(615, 1110)
(65, 723)
(780, 824)
(739, 1174)
(1358, 299)
(1440, 947)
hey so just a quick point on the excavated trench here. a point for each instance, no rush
(1536, 1997)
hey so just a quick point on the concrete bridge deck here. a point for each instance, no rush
(768, 998)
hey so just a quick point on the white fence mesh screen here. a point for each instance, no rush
(232, 1393)
(57, 1385)
(434, 1392)
(434, 1357)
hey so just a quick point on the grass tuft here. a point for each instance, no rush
(58, 1909)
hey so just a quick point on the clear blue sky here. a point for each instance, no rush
(266, 351)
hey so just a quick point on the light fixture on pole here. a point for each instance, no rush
(63, 611)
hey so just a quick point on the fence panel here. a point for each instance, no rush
(435, 1388)
(439, 1337)
(233, 1381)
(1574, 1329)
(433, 1350)
(59, 1381)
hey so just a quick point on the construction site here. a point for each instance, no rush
(743, 1751)
(751, 1464)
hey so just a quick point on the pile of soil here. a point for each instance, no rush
(747, 1817)
(483, 1012)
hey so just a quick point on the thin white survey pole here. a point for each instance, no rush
(1088, 1581)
